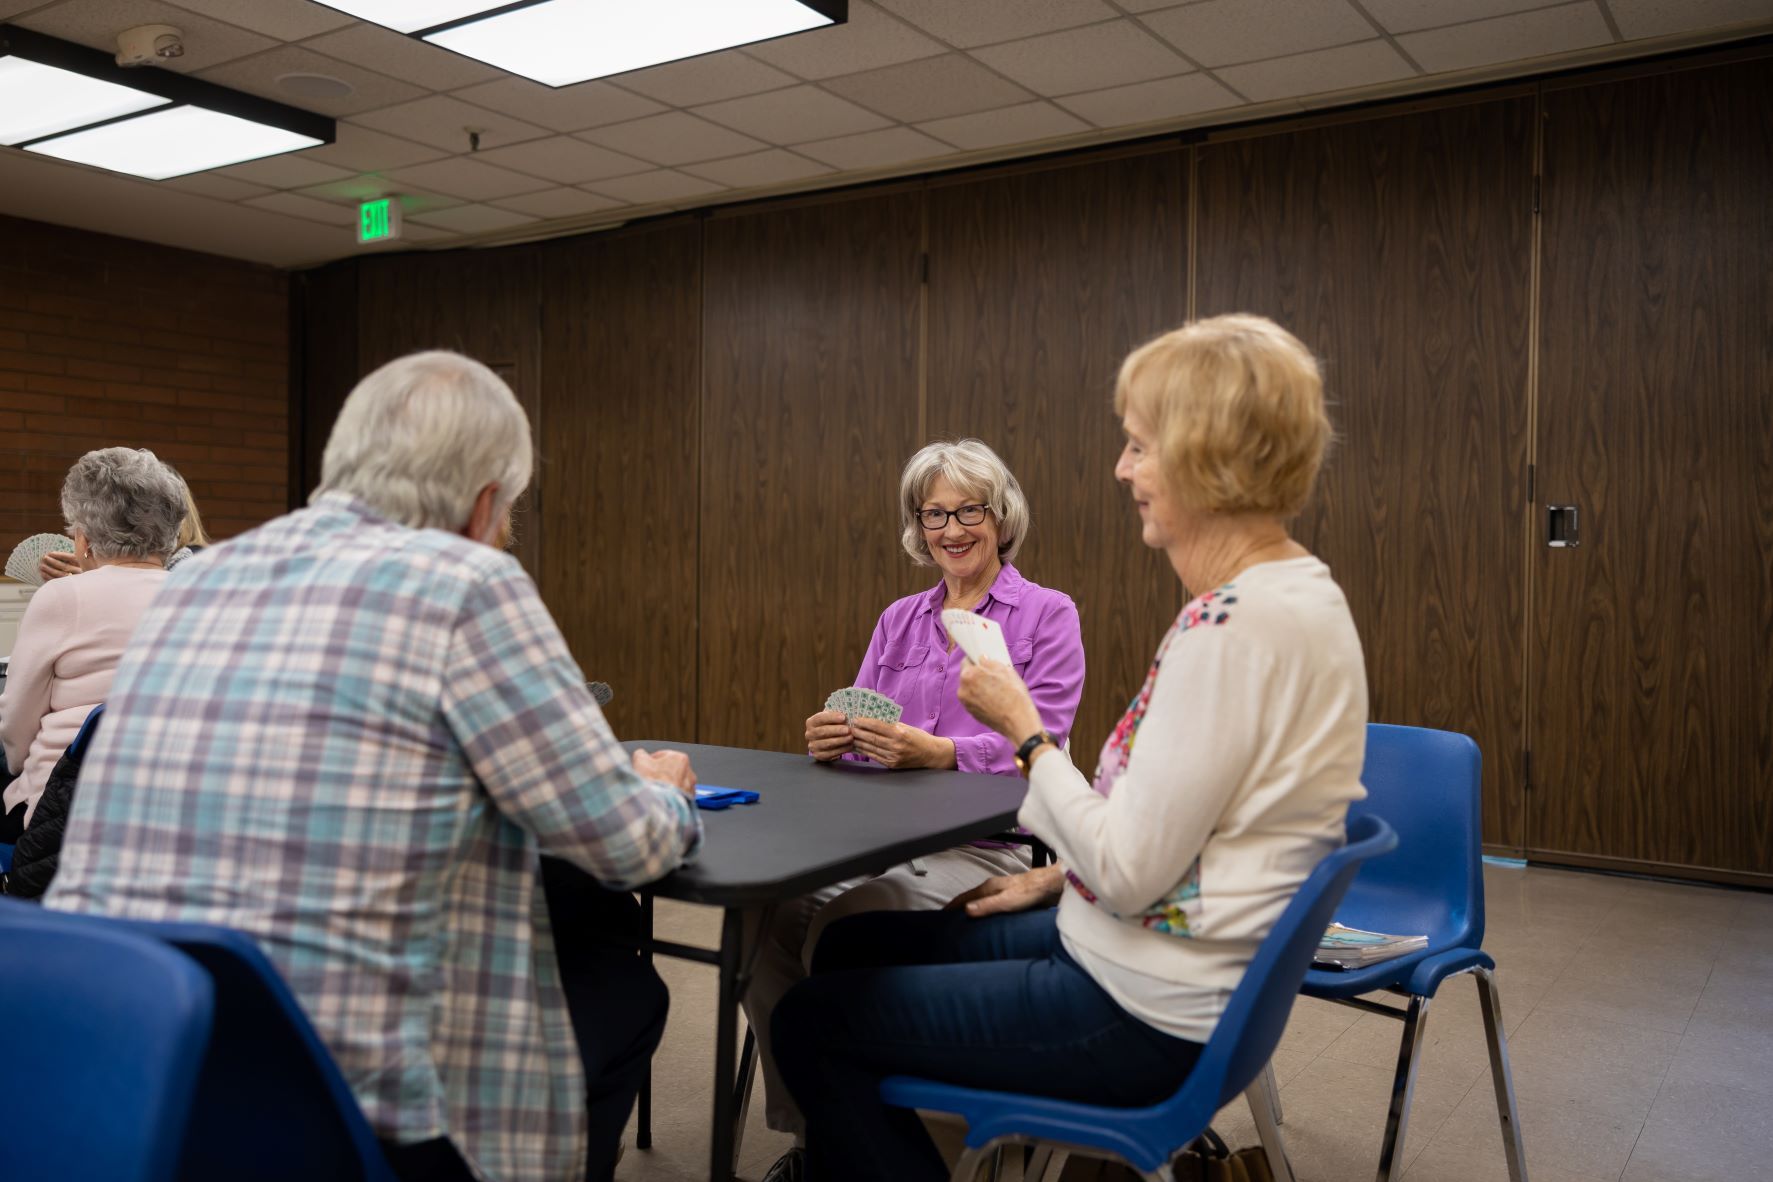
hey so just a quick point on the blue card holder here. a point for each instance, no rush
(713, 798)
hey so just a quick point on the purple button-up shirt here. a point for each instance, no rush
(909, 661)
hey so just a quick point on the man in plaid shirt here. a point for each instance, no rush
(350, 733)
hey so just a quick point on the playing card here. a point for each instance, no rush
(856, 702)
(980, 638)
(22, 565)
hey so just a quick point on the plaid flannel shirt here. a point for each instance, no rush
(349, 739)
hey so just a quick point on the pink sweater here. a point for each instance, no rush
(68, 647)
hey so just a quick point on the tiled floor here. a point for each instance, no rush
(1640, 1020)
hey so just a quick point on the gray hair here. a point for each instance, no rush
(975, 471)
(126, 502)
(420, 437)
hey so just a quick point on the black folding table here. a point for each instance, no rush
(815, 824)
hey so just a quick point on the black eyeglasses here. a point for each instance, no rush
(934, 519)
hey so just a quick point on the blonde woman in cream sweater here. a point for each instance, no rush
(123, 509)
(1224, 784)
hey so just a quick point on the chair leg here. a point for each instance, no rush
(1490, 1001)
(742, 1101)
(1272, 1090)
(1268, 1126)
(1403, 1088)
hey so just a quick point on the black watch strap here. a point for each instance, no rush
(1030, 743)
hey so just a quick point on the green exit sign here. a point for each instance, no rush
(378, 221)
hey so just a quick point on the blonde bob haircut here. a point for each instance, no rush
(1236, 407)
(976, 472)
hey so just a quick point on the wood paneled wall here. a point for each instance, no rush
(1653, 733)
(724, 402)
(1400, 252)
(1040, 283)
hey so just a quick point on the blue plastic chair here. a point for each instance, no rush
(1425, 783)
(1248, 1031)
(106, 1032)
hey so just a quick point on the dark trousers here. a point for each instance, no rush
(617, 1004)
(987, 1003)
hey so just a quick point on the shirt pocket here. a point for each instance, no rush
(1021, 652)
(903, 656)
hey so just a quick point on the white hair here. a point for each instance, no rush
(126, 502)
(975, 471)
(420, 437)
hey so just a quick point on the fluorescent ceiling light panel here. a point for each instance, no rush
(409, 16)
(171, 143)
(559, 42)
(38, 100)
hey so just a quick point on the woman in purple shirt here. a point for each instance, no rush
(963, 513)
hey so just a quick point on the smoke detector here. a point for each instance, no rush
(149, 45)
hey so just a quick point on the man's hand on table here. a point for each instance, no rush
(669, 767)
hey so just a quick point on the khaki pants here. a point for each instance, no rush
(785, 954)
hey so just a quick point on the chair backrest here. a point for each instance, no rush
(105, 1033)
(271, 1103)
(1425, 783)
(78, 747)
(1254, 1019)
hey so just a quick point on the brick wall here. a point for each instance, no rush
(109, 342)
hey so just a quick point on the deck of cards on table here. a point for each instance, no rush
(25, 556)
(979, 638)
(856, 702)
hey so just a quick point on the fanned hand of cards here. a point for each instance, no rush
(979, 638)
(856, 702)
(25, 556)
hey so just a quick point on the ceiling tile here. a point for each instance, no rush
(876, 149)
(96, 23)
(774, 167)
(1652, 18)
(675, 137)
(1342, 68)
(285, 172)
(1148, 102)
(705, 79)
(1508, 38)
(933, 88)
(410, 232)
(1406, 16)
(793, 116)
(1085, 59)
(870, 39)
(361, 149)
(993, 129)
(403, 57)
(296, 205)
(981, 22)
(570, 108)
(286, 20)
(466, 177)
(259, 75)
(222, 188)
(565, 160)
(474, 219)
(443, 121)
(1219, 32)
(653, 187)
(558, 203)
(369, 187)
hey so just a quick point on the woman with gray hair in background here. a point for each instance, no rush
(123, 508)
(961, 511)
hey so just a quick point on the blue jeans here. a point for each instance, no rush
(986, 1003)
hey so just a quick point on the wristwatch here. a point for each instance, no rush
(1029, 744)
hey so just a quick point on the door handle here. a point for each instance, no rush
(1561, 527)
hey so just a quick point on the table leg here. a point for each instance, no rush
(720, 1149)
(643, 1122)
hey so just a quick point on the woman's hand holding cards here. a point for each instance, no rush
(995, 695)
(828, 736)
(898, 745)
